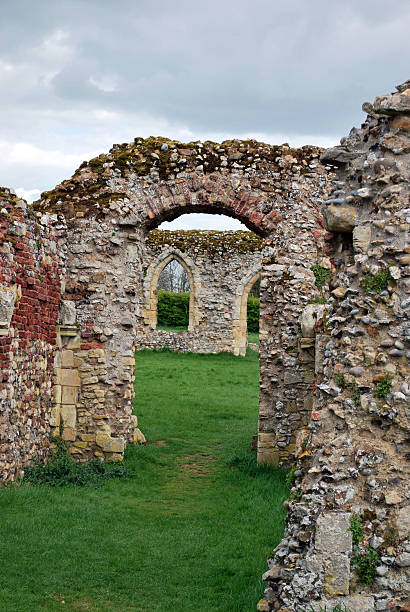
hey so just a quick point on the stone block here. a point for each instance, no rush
(69, 434)
(88, 437)
(332, 532)
(68, 314)
(69, 416)
(115, 457)
(336, 574)
(74, 343)
(7, 300)
(57, 394)
(353, 603)
(311, 314)
(55, 416)
(69, 395)
(266, 439)
(109, 444)
(361, 238)
(67, 359)
(403, 521)
(139, 437)
(69, 377)
(340, 218)
(128, 361)
(98, 352)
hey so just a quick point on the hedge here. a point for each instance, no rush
(253, 314)
(173, 310)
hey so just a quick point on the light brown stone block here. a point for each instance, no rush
(67, 359)
(96, 353)
(69, 416)
(88, 437)
(69, 434)
(69, 395)
(55, 416)
(57, 394)
(114, 457)
(68, 377)
(108, 444)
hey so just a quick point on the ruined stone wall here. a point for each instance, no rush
(31, 269)
(222, 267)
(110, 205)
(353, 463)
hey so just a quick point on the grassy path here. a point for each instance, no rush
(191, 531)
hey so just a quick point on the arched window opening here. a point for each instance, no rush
(173, 298)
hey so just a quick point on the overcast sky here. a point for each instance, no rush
(77, 76)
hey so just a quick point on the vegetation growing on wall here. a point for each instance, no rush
(208, 241)
(89, 191)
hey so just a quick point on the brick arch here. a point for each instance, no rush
(150, 311)
(213, 194)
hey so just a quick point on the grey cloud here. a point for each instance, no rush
(284, 66)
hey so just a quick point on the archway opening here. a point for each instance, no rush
(173, 298)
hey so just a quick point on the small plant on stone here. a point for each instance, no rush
(356, 528)
(295, 494)
(340, 380)
(321, 276)
(377, 283)
(365, 561)
(355, 393)
(290, 477)
(383, 387)
(319, 300)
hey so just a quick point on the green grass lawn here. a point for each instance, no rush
(191, 531)
(172, 328)
(253, 337)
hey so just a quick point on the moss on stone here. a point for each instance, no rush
(163, 157)
(209, 241)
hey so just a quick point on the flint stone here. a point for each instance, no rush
(337, 155)
(340, 218)
(403, 560)
(394, 104)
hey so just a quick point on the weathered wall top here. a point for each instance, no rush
(129, 171)
(208, 241)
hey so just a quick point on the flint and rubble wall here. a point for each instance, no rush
(31, 270)
(111, 204)
(354, 457)
(323, 352)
